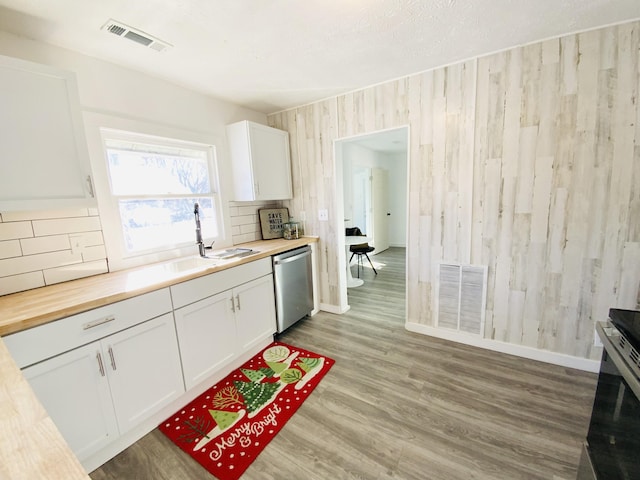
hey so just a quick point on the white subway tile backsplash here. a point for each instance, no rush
(249, 210)
(51, 243)
(90, 254)
(250, 228)
(10, 248)
(91, 239)
(44, 214)
(66, 225)
(35, 247)
(19, 283)
(247, 237)
(243, 220)
(33, 263)
(15, 230)
(72, 272)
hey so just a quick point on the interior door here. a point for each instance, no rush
(380, 208)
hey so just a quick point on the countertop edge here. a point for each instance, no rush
(38, 450)
(43, 305)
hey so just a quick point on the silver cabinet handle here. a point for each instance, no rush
(90, 185)
(238, 302)
(100, 321)
(100, 364)
(113, 360)
(233, 306)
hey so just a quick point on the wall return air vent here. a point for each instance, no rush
(461, 297)
(135, 35)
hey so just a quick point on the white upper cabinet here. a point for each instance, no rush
(260, 161)
(44, 160)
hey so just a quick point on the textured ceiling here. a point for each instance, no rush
(271, 55)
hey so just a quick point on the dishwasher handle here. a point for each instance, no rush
(276, 261)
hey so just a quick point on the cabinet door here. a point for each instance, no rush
(271, 162)
(260, 160)
(206, 335)
(255, 311)
(42, 143)
(143, 366)
(74, 391)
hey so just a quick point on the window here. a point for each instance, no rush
(154, 183)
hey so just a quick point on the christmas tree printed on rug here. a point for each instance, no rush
(231, 422)
(248, 397)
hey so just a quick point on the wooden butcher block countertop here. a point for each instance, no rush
(31, 447)
(23, 310)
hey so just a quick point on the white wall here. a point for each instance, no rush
(396, 164)
(122, 96)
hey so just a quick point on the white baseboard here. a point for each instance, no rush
(326, 307)
(509, 348)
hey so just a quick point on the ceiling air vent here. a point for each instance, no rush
(138, 36)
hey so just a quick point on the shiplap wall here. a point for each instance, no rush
(527, 161)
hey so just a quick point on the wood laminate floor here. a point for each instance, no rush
(400, 405)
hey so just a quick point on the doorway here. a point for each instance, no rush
(372, 190)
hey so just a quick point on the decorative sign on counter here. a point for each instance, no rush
(272, 221)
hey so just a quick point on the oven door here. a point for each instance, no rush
(613, 441)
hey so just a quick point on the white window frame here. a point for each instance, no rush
(101, 127)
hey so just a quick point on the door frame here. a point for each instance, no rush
(338, 168)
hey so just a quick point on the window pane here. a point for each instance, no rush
(148, 173)
(153, 223)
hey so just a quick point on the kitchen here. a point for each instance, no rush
(560, 251)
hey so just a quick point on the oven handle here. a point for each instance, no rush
(618, 361)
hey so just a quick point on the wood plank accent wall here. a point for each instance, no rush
(527, 161)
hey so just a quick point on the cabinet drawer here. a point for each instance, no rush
(203, 287)
(39, 343)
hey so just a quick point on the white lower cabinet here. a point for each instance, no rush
(217, 329)
(108, 375)
(255, 311)
(143, 367)
(206, 334)
(77, 398)
(101, 390)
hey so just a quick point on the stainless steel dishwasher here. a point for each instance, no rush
(293, 286)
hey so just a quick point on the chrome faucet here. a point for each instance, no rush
(196, 212)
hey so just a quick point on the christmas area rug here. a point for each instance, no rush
(226, 427)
